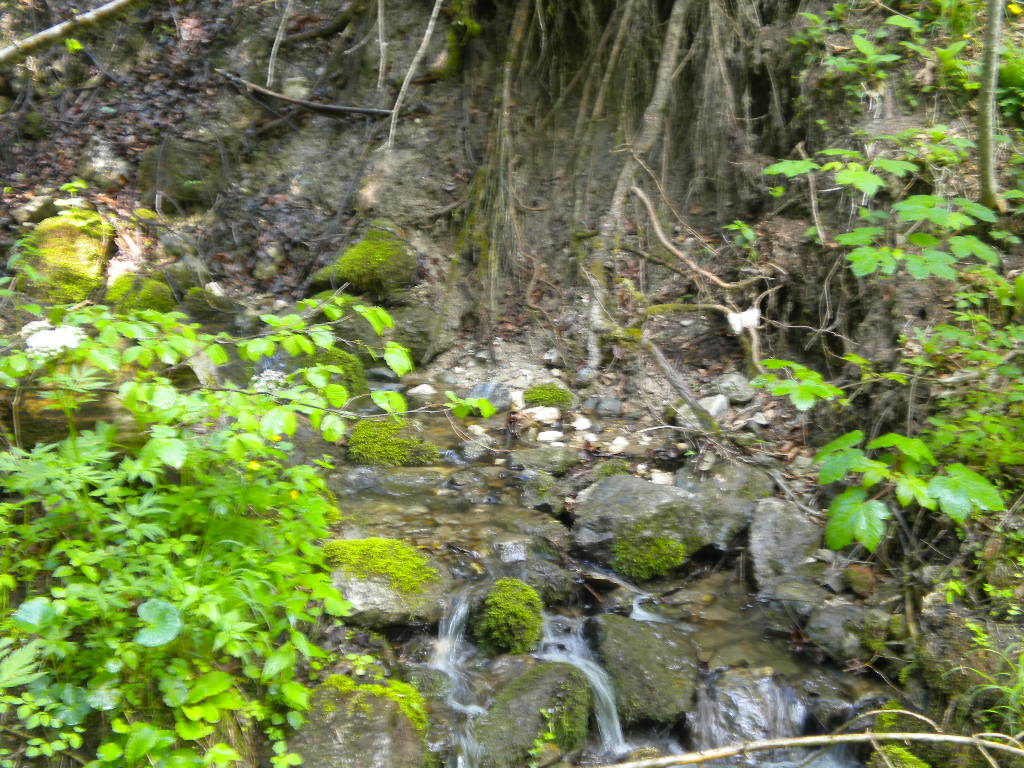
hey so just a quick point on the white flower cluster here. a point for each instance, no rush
(46, 341)
(268, 380)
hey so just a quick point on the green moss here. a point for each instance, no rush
(611, 467)
(352, 374)
(378, 442)
(548, 394)
(512, 618)
(130, 293)
(70, 255)
(380, 263)
(405, 569)
(896, 757)
(408, 699)
(640, 556)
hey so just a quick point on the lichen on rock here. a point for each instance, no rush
(380, 443)
(512, 618)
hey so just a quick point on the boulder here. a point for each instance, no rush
(380, 264)
(102, 166)
(354, 726)
(653, 667)
(70, 254)
(554, 459)
(847, 631)
(507, 733)
(783, 542)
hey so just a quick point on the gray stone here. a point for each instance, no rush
(541, 489)
(549, 458)
(376, 604)
(844, 630)
(357, 729)
(736, 387)
(496, 393)
(35, 210)
(684, 417)
(783, 542)
(653, 667)
(507, 732)
(102, 166)
(609, 407)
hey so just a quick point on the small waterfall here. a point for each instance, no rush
(449, 656)
(563, 641)
(639, 613)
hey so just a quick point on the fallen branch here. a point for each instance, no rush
(707, 422)
(60, 32)
(312, 106)
(693, 758)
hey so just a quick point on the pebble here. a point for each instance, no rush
(618, 445)
(422, 390)
(736, 387)
(550, 436)
(582, 424)
(543, 414)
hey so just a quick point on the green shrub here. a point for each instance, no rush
(512, 618)
(378, 442)
(396, 561)
(548, 394)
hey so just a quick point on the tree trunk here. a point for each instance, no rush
(987, 107)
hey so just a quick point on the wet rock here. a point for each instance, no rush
(507, 732)
(35, 210)
(351, 480)
(609, 407)
(846, 631)
(542, 490)
(494, 392)
(653, 668)
(355, 726)
(550, 458)
(736, 387)
(412, 481)
(734, 488)
(554, 584)
(783, 542)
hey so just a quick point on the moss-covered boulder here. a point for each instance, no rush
(131, 293)
(545, 458)
(551, 695)
(387, 581)
(379, 264)
(352, 375)
(895, 756)
(653, 667)
(381, 443)
(353, 725)
(69, 254)
(512, 618)
(553, 395)
(180, 175)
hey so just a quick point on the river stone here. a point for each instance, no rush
(701, 513)
(846, 631)
(684, 417)
(653, 667)
(412, 481)
(357, 730)
(494, 392)
(548, 458)
(376, 604)
(542, 490)
(507, 732)
(736, 387)
(782, 545)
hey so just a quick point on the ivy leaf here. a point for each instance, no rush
(397, 358)
(962, 490)
(163, 623)
(852, 517)
(791, 168)
(854, 175)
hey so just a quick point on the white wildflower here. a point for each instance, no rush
(268, 380)
(48, 342)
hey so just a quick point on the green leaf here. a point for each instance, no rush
(852, 517)
(864, 46)
(213, 682)
(104, 698)
(163, 623)
(109, 752)
(277, 662)
(375, 316)
(860, 236)
(962, 490)
(191, 730)
(20, 666)
(908, 446)
(278, 421)
(791, 168)
(854, 175)
(841, 443)
(930, 263)
(34, 614)
(912, 488)
(898, 168)
(72, 45)
(295, 695)
(968, 245)
(867, 260)
(217, 354)
(170, 450)
(905, 22)
(977, 210)
(336, 395)
(836, 466)
(389, 401)
(141, 742)
(397, 358)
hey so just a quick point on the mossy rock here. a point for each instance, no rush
(353, 725)
(70, 254)
(895, 756)
(399, 563)
(512, 618)
(379, 264)
(551, 395)
(353, 376)
(515, 721)
(132, 293)
(639, 556)
(380, 443)
(611, 467)
(180, 175)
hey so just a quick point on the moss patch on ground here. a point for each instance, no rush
(512, 618)
(404, 568)
(70, 255)
(378, 264)
(408, 699)
(380, 443)
(548, 394)
(611, 467)
(131, 293)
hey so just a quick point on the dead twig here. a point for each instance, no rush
(311, 106)
(413, 66)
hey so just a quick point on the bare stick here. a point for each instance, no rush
(693, 758)
(420, 53)
(705, 419)
(382, 43)
(62, 31)
(277, 42)
(312, 106)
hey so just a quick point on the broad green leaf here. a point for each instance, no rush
(930, 263)
(791, 168)
(277, 662)
(836, 466)
(217, 354)
(72, 45)
(977, 210)
(210, 684)
(20, 666)
(397, 358)
(962, 490)
(905, 22)
(898, 168)
(860, 236)
(163, 623)
(375, 316)
(191, 730)
(923, 240)
(863, 45)
(104, 698)
(278, 421)
(336, 395)
(170, 450)
(841, 443)
(34, 614)
(389, 401)
(912, 488)
(852, 517)
(317, 378)
(322, 337)
(109, 752)
(295, 695)
(867, 260)
(909, 446)
(142, 740)
(968, 245)
(163, 397)
(854, 175)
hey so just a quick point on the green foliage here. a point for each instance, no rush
(511, 620)
(805, 387)
(405, 569)
(551, 394)
(378, 442)
(895, 756)
(609, 467)
(461, 407)
(165, 573)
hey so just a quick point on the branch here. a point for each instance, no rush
(420, 52)
(62, 31)
(312, 106)
(706, 420)
(692, 758)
